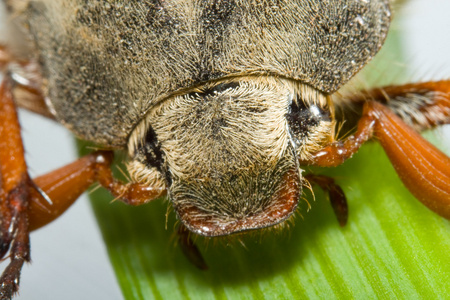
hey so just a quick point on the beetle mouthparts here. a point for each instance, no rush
(279, 207)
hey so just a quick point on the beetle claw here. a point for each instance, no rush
(335, 193)
(339, 203)
(189, 249)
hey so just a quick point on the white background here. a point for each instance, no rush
(69, 258)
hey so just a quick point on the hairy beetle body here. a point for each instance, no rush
(108, 63)
(219, 105)
(231, 151)
(196, 90)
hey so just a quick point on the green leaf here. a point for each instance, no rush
(392, 246)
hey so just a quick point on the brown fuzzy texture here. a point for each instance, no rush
(217, 101)
(108, 62)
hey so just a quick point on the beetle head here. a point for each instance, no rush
(228, 151)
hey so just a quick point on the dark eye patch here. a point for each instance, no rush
(302, 118)
(150, 150)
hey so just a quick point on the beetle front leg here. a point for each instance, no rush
(26, 205)
(424, 169)
(336, 195)
(59, 189)
(14, 194)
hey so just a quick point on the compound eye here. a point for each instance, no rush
(310, 122)
(149, 152)
(148, 164)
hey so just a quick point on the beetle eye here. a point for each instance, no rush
(303, 118)
(150, 151)
(310, 122)
(147, 163)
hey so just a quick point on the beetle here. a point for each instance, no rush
(251, 121)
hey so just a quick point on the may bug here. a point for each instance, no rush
(154, 154)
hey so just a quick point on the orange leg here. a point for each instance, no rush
(26, 205)
(27, 91)
(59, 189)
(424, 169)
(14, 193)
(420, 105)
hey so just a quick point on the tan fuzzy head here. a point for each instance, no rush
(228, 151)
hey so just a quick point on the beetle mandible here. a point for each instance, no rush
(219, 104)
